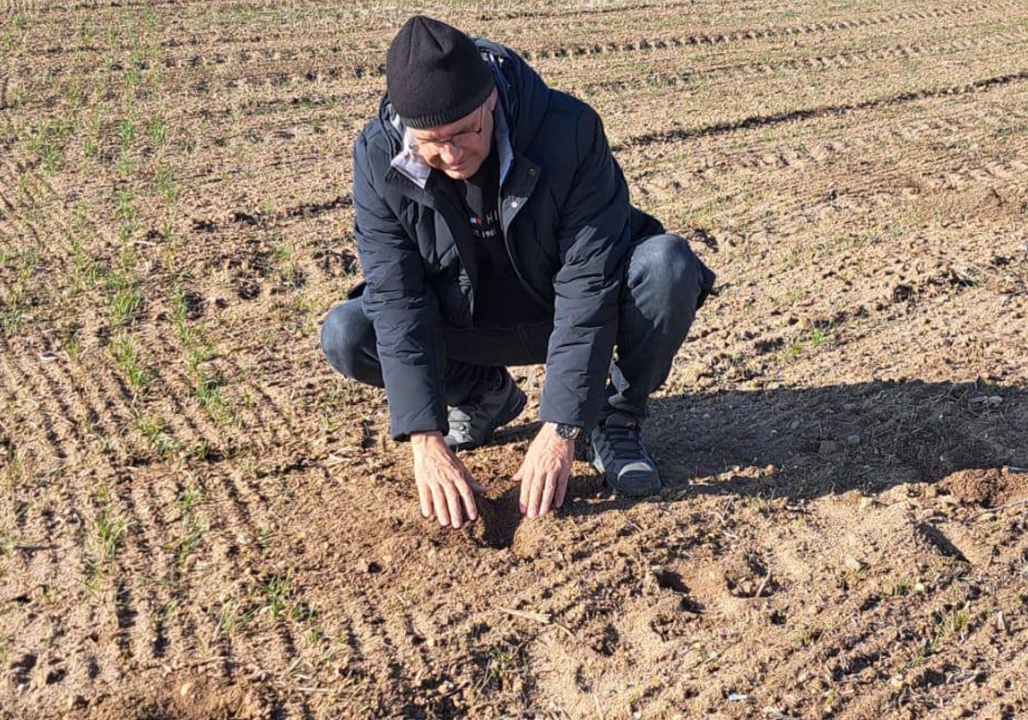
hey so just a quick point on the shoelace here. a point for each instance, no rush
(625, 441)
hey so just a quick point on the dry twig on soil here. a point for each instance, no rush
(1005, 506)
(542, 618)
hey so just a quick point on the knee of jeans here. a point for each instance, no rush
(341, 341)
(667, 262)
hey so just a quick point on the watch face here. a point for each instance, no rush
(567, 432)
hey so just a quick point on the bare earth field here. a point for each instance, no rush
(199, 520)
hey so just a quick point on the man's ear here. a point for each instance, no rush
(494, 97)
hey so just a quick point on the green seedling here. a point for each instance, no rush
(231, 617)
(157, 131)
(208, 392)
(154, 429)
(124, 297)
(126, 134)
(820, 336)
(127, 357)
(107, 532)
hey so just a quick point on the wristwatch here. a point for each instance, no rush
(565, 431)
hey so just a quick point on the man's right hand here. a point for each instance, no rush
(445, 487)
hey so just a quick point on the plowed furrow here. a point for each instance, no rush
(250, 113)
(249, 508)
(189, 424)
(198, 423)
(839, 141)
(11, 8)
(41, 423)
(925, 169)
(759, 121)
(991, 174)
(748, 35)
(31, 209)
(372, 638)
(39, 564)
(263, 413)
(577, 12)
(270, 107)
(661, 78)
(14, 230)
(157, 563)
(298, 160)
(59, 388)
(108, 415)
(102, 5)
(797, 170)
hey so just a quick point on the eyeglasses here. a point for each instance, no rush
(431, 148)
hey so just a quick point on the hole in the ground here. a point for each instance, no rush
(498, 520)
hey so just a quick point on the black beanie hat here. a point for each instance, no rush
(435, 74)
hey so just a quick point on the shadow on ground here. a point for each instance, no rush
(802, 443)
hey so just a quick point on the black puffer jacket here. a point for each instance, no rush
(568, 226)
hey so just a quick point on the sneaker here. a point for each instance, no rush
(472, 424)
(617, 451)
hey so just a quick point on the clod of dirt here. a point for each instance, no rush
(975, 487)
(902, 293)
(854, 565)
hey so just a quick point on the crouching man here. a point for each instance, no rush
(494, 228)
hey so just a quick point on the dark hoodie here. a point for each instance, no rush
(567, 224)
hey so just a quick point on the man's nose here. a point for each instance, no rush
(451, 153)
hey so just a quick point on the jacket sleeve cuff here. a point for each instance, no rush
(547, 413)
(402, 432)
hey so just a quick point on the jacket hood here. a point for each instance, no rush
(523, 94)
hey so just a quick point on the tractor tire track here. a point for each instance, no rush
(925, 170)
(194, 423)
(577, 12)
(283, 431)
(358, 68)
(820, 62)
(924, 167)
(157, 567)
(40, 423)
(805, 114)
(750, 35)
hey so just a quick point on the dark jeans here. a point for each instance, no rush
(664, 285)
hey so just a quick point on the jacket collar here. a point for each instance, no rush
(406, 162)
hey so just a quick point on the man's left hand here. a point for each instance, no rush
(544, 473)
